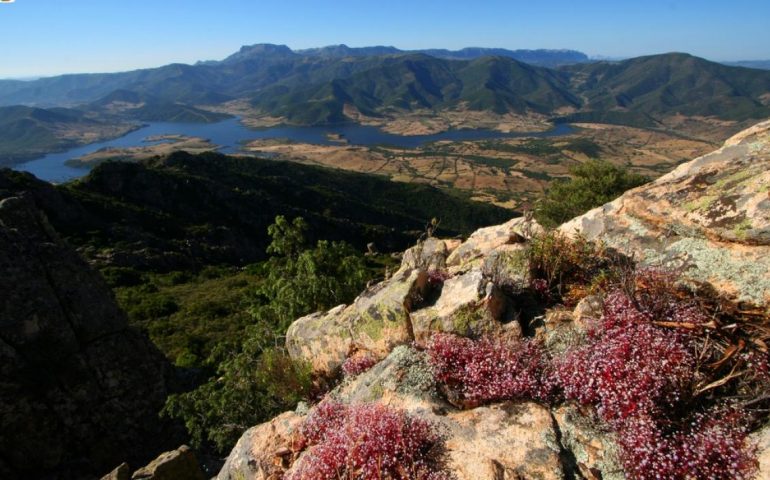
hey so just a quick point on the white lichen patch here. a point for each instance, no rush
(742, 274)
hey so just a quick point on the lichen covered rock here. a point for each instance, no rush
(261, 451)
(376, 322)
(321, 339)
(379, 317)
(469, 304)
(710, 216)
(484, 240)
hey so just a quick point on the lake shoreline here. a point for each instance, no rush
(230, 135)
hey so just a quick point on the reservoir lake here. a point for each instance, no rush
(230, 135)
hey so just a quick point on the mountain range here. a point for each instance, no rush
(323, 86)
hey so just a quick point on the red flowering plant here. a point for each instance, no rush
(489, 369)
(366, 442)
(671, 373)
(643, 369)
(357, 364)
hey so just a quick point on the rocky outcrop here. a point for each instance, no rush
(506, 440)
(710, 216)
(80, 391)
(441, 286)
(179, 464)
(376, 322)
(260, 452)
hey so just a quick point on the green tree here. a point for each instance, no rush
(593, 183)
(257, 379)
(300, 280)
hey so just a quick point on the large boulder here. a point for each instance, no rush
(179, 464)
(376, 322)
(321, 339)
(710, 217)
(485, 240)
(468, 305)
(80, 390)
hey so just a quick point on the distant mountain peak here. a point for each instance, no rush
(343, 50)
(259, 49)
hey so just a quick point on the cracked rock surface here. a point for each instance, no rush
(79, 390)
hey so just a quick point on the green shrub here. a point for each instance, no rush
(567, 269)
(593, 183)
(153, 306)
(251, 386)
(259, 380)
(300, 280)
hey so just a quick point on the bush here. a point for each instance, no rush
(366, 442)
(631, 368)
(490, 369)
(565, 269)
(300, 279)
(255, 380)
(251, 387)
(641, 370)
(593, 183)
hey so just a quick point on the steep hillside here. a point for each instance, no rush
(497, 84)
(644, 90)
(184, 211)
(27, 132)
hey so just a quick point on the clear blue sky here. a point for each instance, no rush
(44, 37)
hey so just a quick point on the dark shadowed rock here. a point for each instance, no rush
(122, 472)
(79, 390)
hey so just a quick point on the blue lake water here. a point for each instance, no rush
(231, 135)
